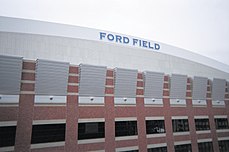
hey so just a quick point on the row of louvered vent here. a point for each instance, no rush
(52, 79)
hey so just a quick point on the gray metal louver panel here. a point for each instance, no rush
(228, 87)
(178, 86)
(218, 89)
(10, 74)
(125, 82)
(92, 80)
(153, 84)
(51, 77)
(199, 90)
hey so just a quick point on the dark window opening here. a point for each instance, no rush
(91, 130)
(180, 125)
(224, 146)
(202, 124)
(183, 148)
(48, 133)
(221, 123)
(158, 149)
(7, 136)
(125, 128)
(205, 146)
(155, 126)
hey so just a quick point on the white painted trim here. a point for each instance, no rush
(9, 105)
(218, 103)
(28, 71)
(53, 121)
(177, 102)
(220, 116)
(49, 105)
(155, 135)
(91, 105)
(181, 133)
(91, 100)
(9, 99)
(223, 138)
(157, 145)
(204, 140)
(126, 148)
(89, 141)
(152, 101)
(179, 117)
(110, 78)
(73, 84)
(8, 123)
(121, 101)
(27, 92)
(182, 142)
(109, 86)
(126, 119)
(153, 105)
(5, 149)
(222, 130)
(203, 131)
(155, 118)
(47, 99)
(201, 117)
(91, 120)
(199, 102)
(28, 81)
(73, 74)
(48, 145)
(126, 138)
(72, 93)
(140, 88)
(109, 95)
(97, 151)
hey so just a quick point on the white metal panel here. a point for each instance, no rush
(125, 83)
(92, 80)
(199, 91)
(10, 74)
(103, 54)
(218, 89)
(51, 77)
(153, 84)
(178, 86)
(58, 30)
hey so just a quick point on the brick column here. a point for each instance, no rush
(26, 106)
(109, 113)
(212, 120)
(168, 119)
(140, 110)
(72, 111)
(191, 121)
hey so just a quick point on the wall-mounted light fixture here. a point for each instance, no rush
(50, 97)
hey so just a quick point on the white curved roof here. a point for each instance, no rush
(94, 49)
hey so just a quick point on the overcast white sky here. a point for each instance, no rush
(201, 26)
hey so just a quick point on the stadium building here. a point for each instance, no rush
(69, 88)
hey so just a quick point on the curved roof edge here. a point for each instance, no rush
(9, 24)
